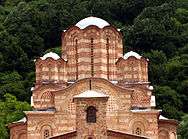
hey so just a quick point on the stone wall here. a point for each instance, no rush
(96, 130)
(50, 70)
(38, 122)
(119, 101)
(132, 69)
(167, 129)
(118, 114)
(89, 52)
(18, 131)
(43, 98)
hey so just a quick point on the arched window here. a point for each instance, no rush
(50, 72)
(76, 47)
(138, 128)
(46, 133)
(91, 114)
(92, 60)
(163, 134)
(107, 56)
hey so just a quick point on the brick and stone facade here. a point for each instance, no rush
(93, 91)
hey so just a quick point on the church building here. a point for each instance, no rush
(93, 91)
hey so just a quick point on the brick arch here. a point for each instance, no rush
(115, 104)
(91, 32)
(92, 27)
(70, 32)
(138, 126)
(45, 128)
(114, 29)
(141, 123)
(115, 49)
(22, 135)
(42, 92)
(110, 33)
(68, 39)
(104, 84)
(164, 134)
(39, 93)
(90, 137)
(48, 124)
(47, 99)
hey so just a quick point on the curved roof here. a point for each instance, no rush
(92, 21)
(52, 55)
(131, 53)
(162, 117)
(90, 94)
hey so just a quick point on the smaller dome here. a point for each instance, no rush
(131, 53)
(92, 21)
(162, 118)
(150, 87)
(52, 55)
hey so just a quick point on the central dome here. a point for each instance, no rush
(92, 21)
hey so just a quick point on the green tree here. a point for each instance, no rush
(12, 83)
(169, 101)
(11, 55)
(157, 69)
(10, 110)
(19, 24)
(182, 15)
(154, 29)
(184, 128)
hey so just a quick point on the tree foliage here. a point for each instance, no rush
(10, 110)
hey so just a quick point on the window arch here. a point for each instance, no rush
(46, 131)
(92, 59)
(107, 56)
(138, 128)
(163, 134)
(91, 114)
(47, 99)
(90, 137)
(76, 48)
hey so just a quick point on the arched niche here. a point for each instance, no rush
(46, 131)
(163, 134)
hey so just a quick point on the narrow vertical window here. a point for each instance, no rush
(91, 114)
(92, 60)
(132, 70)
(76, 47)
(107, 56)
(46, 134)
(50, 72)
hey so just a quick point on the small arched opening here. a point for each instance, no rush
(91, 114)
